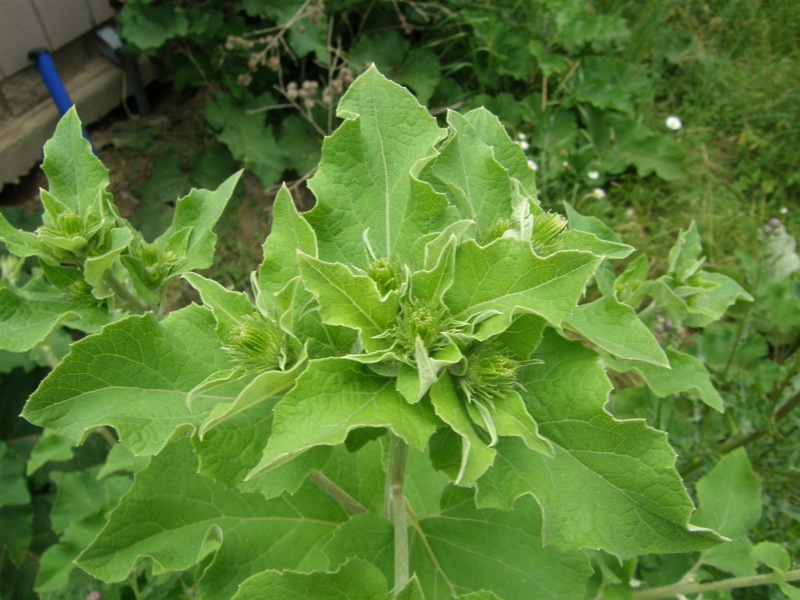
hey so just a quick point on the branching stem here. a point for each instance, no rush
(395, 509)
(672, 591)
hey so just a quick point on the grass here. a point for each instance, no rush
(731, 75)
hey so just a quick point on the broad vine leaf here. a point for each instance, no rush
(598, 462)
(334, 396)
(354, 579)
(177, 518)
(16, 523)
(150, 26)
(729, 499)
(462, 549)
(134, 376)
(506, 275)
(615, 328)
(24, 322)
(366, 181)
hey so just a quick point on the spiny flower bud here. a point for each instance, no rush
(256, 343)
(547, 230)
(382, 272)
(490, 374)
(500, 226)
(80, 291)
(424, 320)
(157, 263)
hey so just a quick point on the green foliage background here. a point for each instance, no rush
(588, 85)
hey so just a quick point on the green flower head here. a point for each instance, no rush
(257, 344)
(425, 320)
(490, 374)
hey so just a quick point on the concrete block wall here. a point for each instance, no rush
(50, 24)
(27, 113)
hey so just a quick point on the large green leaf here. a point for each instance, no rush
(334, 396)
(611, 484)
(177, 518)
(366, 178)
(77, 516)
(76, 176)
(355, 579)
(199, 210)
(491, 132)
(615, 328)
(467, 169)
(135, 376)
(507, 276)
(729, 497)
(24, 322)
(350, 300)
(462, 549)
(290, 233)
(685, 373)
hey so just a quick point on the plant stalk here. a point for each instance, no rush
(134, 304)
(395, 509)
(347, 502)
(672, 591)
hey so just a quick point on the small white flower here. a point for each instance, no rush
(594, 175)
(565, 164)
(522, 137)
(784, 210)
(533, 165)
(598, 193)
(674, 123)
(522, 144)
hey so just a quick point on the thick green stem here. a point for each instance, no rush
(672, 591)
(134, 304)
(395, 509)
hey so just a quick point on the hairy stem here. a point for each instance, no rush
(671, 591)
(395, 509)
(347, 502)
(134, 304)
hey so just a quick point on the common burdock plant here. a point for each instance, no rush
(414, 402)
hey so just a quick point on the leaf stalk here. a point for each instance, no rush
(347, 502)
